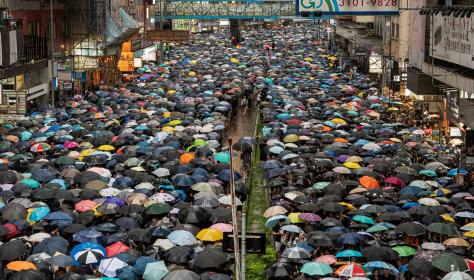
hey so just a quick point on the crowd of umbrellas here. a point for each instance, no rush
(132, 182)
(356, 191)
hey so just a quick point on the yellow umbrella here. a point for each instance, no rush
(138, 168)
(234, 60)
(106, 148)
(332, 58)
(308, 59)
(294, 219)
(87, 152)
(469, 233)
(166, 115)
(167, 129)
(338, 121)
(395, 140)
(392, 109)
(192, 74)
(171, 92)
(447, 218)
(348, 205)
(352, 165)
(174, 122)
(291, 138)
(210, 234)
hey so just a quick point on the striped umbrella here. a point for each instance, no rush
(40, 147)
(89, 256)
(350, 270)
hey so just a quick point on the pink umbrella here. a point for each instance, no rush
(326, 259)
(310, 217)
(85, 205)
(222, 227)
(104, 172)
(70, 145)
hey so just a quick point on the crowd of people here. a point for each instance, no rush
(356, 190)
(133, 182)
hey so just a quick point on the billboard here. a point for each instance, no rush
(453, 39)
(349, 7)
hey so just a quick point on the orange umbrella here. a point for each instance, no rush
(12, 138)
(369, 182)
(341, 140)
(20, 265)
(186, 158)
(326, 129)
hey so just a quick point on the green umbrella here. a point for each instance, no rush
(376, 228)
(363, 219)
(222, 157)
(155, 271)
(158, 209)
(404, 251)
(448, 262)
(64, 160)
(321, 185)
(316, 269)
(5, 146)
(442, 228)
(32, 184)
(25, 135)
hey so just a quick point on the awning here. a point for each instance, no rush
(120, 29)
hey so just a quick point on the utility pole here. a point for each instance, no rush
(52, 50)
(235, 226)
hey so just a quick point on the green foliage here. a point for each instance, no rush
(256, 264)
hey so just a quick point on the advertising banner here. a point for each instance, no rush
(453, 39)
(349, 7)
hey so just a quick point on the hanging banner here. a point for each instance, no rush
(168, 36)
(348, 7)
(453, 39)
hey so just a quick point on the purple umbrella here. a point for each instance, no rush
(310, 217)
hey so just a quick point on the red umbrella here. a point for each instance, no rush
(116, 248)
(395, 181)
(12, 230)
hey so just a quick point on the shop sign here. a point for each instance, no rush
(349, 7)
(85, 63)
(455, 132)
(453, 39)
(168, 36)
(375, 64)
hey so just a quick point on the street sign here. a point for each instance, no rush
(348, 7)
(255, 242)
(168, 36)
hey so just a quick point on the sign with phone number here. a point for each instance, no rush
(348, 7)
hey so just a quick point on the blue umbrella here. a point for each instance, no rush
(380, 265)
(87, 235)
(38, 214)
(60, 182)
(273, 221)
(51, 246)
(410, 190)
(456, 171)
(182, 238)
(224, 175)
(349, 254)
(84, 247)
(142, 262)
(352, 238)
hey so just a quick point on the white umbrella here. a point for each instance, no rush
(38, 237)
(226, 200)
(110, 266)
(164, 244)
(161, 172)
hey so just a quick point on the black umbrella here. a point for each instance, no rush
(13, 212)
(319, 239)
(29, 275)
(193, 215)
(12, 250)
(375, 253)
(411, 229)
(421, 268)
(138, 235)
(73, 228)
(210, 258)
(86, 176)
(52, 245)
(279, 270)
(179, 254)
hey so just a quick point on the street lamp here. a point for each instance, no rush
(52, 50)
